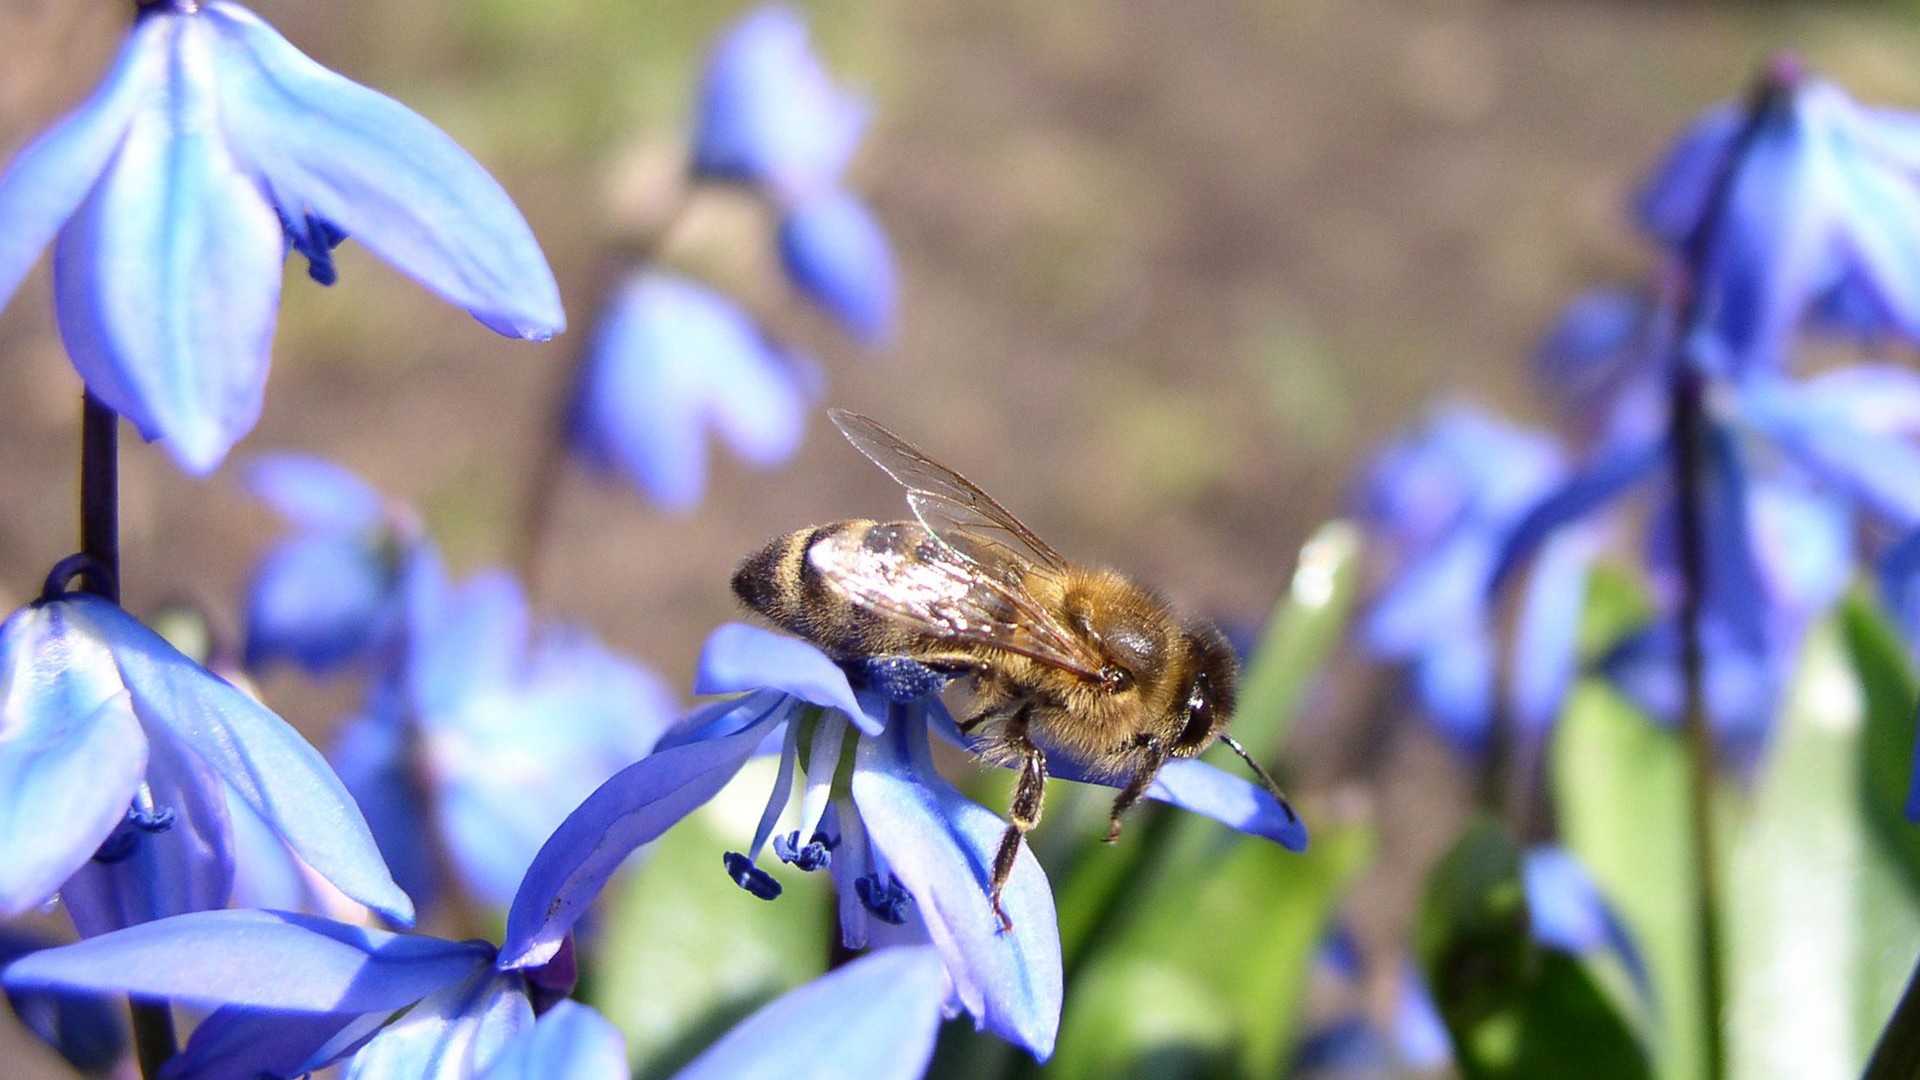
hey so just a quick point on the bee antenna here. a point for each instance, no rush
(1266, 778)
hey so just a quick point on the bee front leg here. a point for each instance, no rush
(1024, 814)
(1153, 754)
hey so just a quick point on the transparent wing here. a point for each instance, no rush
(948, 504)
(905, 574)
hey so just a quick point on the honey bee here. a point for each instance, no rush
(1060, 658)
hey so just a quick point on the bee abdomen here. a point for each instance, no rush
(781, 583)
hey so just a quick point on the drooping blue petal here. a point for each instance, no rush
(738, 657)
(1197, 786)
(769, 115)
(570, 1042)
(837, 255)
(474, 640)
(167, 278)
(941, 845)
(635, 806)
(238, 1043)
(1563, 904)
(875, 1019)
(512, 765)
(46, 183)
(670, 360)
(314, 492)
(87, 1030)
(260, 959)
(1547, 638)
(453, 1034)
(318, 600)
(1604, 480)
(330, 148)
(1825, 433)
(145, 872)
(71, 752)
(1454, 681)
(269, 766)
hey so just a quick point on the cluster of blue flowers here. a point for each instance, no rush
(1793, 213)
(208, 856)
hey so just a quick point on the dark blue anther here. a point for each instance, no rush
(816, 854)
(120, 844)
(750, 877)
(888, 902)
(315, 238)
(899, 679)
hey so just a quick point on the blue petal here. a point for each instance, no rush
(331, 148)
(187, 866)
(1675, 195)
(453, 1034)
(87, 1030)
(942, 845)
(236, 1043)
(769, 114)
(71, 752)
(372, 759)
(1244, 805)
(637, 805)
(1454, 680)
(837, 255)
(318, 600)
(1546, 649)
(739, 657)
(476, 640)
(1419, 1034)
(167, 279)
(1600, 342)
(314, 492)
(670, 359)
(1824, 434)
(268, 764)
(1618, 469)
(261, 959)
(570, 1042)
(46, 183)
(874, 1019)
(1563, 904)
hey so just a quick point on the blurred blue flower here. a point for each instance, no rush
(1566, 911)
(670, 361)
(837, 255)
(1821, 212)
(1438, 504)
(489, 732)
(176, 191)
(876, 1019)
(769, 114)
(290, 994)
(330, 594)
(1350, 1044)
(113, 749)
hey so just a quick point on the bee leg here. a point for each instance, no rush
(1024, 814)
(1153, 755)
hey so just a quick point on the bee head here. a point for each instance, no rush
(1210, 694)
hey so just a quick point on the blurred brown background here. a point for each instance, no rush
(1169, 269)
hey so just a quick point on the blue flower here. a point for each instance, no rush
(489, 732)
(769, 114)
(330, 594)
(212, 149)
(1439, 504)
(113, 749)
(1821, 213)
(1566, 911)
(670, 361)
(294, 993)
(837, 255)
(876, 1019)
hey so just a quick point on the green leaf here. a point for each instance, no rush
(687, 953)
(1205, 970)
(1620, 783)
(1886, 744)
(1823, 930)
(1304, 629)
(1514, 1009)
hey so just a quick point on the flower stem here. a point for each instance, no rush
(153, 1036)
(549, 472)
